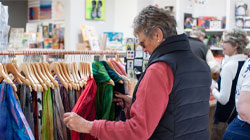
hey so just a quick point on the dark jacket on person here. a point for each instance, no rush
(198, 47)
(186, 115)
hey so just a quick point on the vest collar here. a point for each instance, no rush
(171, 44)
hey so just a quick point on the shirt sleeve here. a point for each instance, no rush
(213, 64)
(227, 76)
(246, 82)
(151, 101)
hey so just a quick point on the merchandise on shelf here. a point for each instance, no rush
(241, 15)
(89, 36)
(49, 36)
(208, 22)
(4, 27)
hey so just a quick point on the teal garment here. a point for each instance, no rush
(113, 75)
(104, 93)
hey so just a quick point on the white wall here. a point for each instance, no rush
(124, 13)
(75, 17)
(215, 8)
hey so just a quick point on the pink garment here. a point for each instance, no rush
(118, 67)
(121, 70)
(151, 102)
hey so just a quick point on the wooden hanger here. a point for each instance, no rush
(45, 68)
(7, 78)
(61, 71)
(55, 68)
(111, 82)
(76, 75)
(72, 75)
(36, 77)
(42, 76)
(118, 59)
(25, 71)
(81, 73)
(12, 68)
(75, 68)
(14, 76)
(40, 80)
(67, 75)
(34, 80)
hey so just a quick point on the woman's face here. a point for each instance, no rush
(148, 44)
(229, 49)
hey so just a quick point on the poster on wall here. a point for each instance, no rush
(45, 9)
(58, 9)
(33, 9)
(33, 13)
(95, 9)
(114, 41)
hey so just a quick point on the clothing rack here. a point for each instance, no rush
(61, 52)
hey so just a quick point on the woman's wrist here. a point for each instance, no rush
(87, 126)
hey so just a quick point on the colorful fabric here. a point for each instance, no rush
(25, 98)
(13, 123)
(104, 106)
(47, 118)
(100, 73)
(85, 107)
(35, 114)
(113, 75)
(40, 112)
(66, 103)
(60, 132)
(104, 94)
(119, 66)
(72, 98)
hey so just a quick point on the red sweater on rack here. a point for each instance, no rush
(151, 102)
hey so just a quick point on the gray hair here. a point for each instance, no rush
(236, 37)
(151, 18)
(198, 31)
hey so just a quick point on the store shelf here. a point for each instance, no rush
(214, 48)
(208, 30)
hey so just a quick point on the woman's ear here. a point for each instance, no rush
(159, 34)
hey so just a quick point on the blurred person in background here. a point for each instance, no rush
(234, 44)
(201, 50)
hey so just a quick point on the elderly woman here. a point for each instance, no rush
(234, 43)
(171, 98)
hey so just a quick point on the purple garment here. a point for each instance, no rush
(13, 123)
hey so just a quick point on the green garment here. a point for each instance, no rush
(113, 75)
(104, 94)
(99, 72)
(47, 117)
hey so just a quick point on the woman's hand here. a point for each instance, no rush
(77, 123)
(122, 100)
